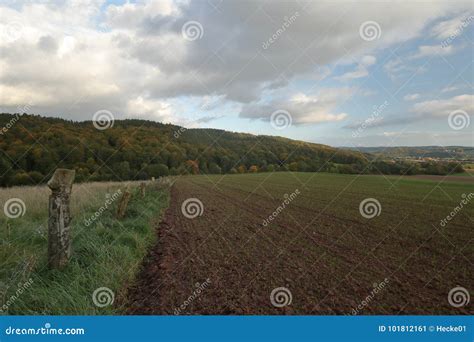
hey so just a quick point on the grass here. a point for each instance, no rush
(106, 253)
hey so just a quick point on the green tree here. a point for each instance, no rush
(214, 168)
(157, 170)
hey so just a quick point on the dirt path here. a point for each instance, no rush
(226, 261)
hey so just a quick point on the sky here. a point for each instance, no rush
(342, 73)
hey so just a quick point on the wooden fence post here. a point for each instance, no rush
(142, 189)
(122, 207)
(59, 237)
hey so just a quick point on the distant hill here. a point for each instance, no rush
(440, 152)
(32, 147)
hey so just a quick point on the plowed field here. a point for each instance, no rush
(328, 257)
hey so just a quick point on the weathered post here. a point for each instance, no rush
(59, 238)
(142, 189)
(122, 207)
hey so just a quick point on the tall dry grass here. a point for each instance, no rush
(106, 252)
(83, 197)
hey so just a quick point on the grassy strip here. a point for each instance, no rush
(106, 253)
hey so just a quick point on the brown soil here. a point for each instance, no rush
(328, 261)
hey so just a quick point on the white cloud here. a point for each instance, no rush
(394, 66)
(449, 89)
(361, 69)
(451, 27)
(303, 108)
(131, 15)
(432, 50)
(439, 108)
(411, 97)
(150, 109)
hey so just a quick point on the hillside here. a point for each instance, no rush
(418, 152)
(32, 147)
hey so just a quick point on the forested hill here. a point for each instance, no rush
(32, 147)
(442, 152)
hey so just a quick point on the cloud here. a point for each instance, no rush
(411, 97)
(451, 27)
(394, 67)
(449, 89)
(130, 16)
(207, 119)
(72, 58)
(360, 71)
(304, 109)
(150, 109)
(441, 108)
(420, 112)
(385, 121)
(433, 50)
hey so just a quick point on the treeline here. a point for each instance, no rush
(32, 147)
(443, 152)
